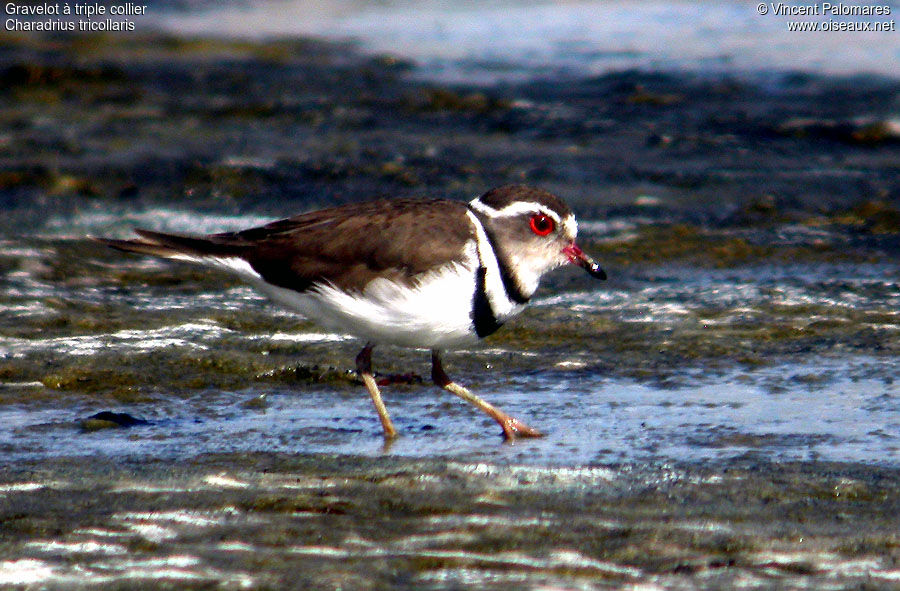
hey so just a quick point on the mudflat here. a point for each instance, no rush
(722, 412)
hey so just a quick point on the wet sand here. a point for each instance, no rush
(750, 227)
(324, 522)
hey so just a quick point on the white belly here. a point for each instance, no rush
(435, 314)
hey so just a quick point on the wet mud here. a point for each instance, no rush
(721, 413)
(323, 522)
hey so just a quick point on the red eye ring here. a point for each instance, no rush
(541, 224)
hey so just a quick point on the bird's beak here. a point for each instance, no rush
(577, 257)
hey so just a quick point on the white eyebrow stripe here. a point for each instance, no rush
(513, 209)
(570, 225)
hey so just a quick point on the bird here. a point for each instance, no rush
(424, 273)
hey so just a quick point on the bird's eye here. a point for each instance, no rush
(541, 224)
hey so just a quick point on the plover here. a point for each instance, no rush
(420, 273)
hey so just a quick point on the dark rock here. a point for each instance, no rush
(110, 420)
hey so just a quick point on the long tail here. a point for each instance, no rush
(175, 246)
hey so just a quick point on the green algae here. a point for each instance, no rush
(444, 99)
(305, 374)
(872, 217)
(142, 377)
(117, 385)
(657, 244)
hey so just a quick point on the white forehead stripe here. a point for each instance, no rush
(513, 209)
(570, 226)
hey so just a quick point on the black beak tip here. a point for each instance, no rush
(596, 272)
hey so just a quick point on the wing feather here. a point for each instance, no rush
(346, 247)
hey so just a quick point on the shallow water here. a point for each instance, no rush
(514, 40)
(310, 521)
(662, 363)
(782, 413)
(720, 414)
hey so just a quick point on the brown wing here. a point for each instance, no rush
(162, 244)
(346, 246)
(351, 245)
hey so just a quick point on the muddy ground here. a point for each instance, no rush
(682, 178)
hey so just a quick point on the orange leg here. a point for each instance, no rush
(512, 427)
(364, 369)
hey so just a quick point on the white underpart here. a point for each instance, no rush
(435, 313)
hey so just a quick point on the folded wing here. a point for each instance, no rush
(345, 247)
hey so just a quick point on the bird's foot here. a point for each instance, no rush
(514, 428)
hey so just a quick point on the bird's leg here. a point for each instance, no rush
(364, 369)
(512, 427)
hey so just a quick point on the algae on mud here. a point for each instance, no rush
(747, 337)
